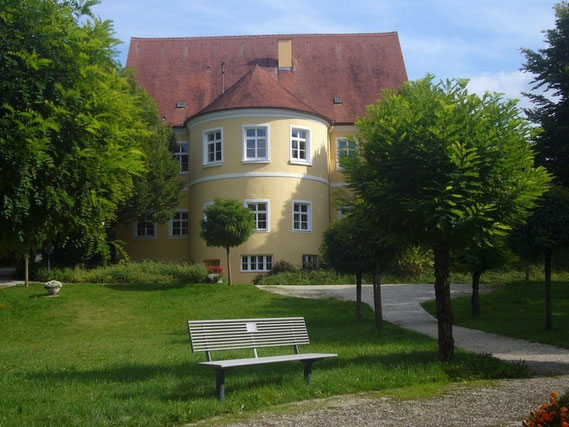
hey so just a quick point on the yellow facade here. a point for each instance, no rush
(293, 186)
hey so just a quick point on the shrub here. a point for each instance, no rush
(552, 414)
(305, 277)
(146, 272)
(413, 262)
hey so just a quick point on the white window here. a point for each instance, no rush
(181, 155)
(342, 210)
(258, 263)
(179, 224)
(299, 145)
(261, 211)
(309, 262)
(213, 147)
(145, 227)
(344, 148)
(205, 206)
(301, 216)
(256, 143)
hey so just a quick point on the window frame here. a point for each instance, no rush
(266, 262)
(171, 234)
(154, 224)
(347, 139)
(206, 143)
(267, 229)
(178, 155)
(308, 153)
(206, 205)
(313, 264)
(244, 158)
(309, 216)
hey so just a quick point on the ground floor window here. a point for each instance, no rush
(301, 216)
(309, 262)
(145, 227)
(179, 224)
(256, 263)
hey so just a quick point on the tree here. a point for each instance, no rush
(476, 259)
(227, 224)
(443, 168)
(158, 189)
(346, 248)
(69, 131)
(548, 228)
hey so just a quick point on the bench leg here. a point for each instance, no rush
(307, 371)
(220, 384)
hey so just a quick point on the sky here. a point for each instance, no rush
(479, 40)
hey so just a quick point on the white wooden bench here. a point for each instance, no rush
(213, 335)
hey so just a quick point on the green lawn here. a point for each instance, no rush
(100, 355)
(517, 309)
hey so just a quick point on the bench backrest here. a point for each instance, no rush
(210, 335)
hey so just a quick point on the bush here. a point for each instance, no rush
(305, 277)
(551, 414)
(146, 272)
(413, 262)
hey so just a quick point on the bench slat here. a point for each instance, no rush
(207, 335)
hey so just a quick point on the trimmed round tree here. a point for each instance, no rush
(443, 168)
(346, 249)
(227, 224)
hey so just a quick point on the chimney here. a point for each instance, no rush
(285, 54)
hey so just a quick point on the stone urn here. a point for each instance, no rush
(53, 287)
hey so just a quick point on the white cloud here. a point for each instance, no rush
(511, 84)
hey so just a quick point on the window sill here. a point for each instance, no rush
(302, 231)
(145, 237)
(255, 161)
(299, 162)
(209, 165)
(178, 237)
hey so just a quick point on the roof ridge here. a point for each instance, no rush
(253, 36)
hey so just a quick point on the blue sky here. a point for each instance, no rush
(479, 40)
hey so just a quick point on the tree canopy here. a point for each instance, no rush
(443, 168)
(346, 247)
(71, 131)
(226, 223)
(548, 228)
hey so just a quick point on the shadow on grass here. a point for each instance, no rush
(194, 382)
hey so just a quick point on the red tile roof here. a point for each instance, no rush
(356, 67)
(257, 89)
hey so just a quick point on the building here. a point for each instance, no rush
(264, 120)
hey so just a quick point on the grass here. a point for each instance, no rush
(119, 355)
(517, 310)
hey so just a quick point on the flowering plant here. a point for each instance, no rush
(553, 414)
(52, 284)
(215, 269)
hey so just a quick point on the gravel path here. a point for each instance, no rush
(401, 306)
(504, 403)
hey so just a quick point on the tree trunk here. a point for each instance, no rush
(359, 297)
(548, 307)
(527, 271)
(444, 312)
(228, 267)
(377, 297)
(27, 270)
(475, 300)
